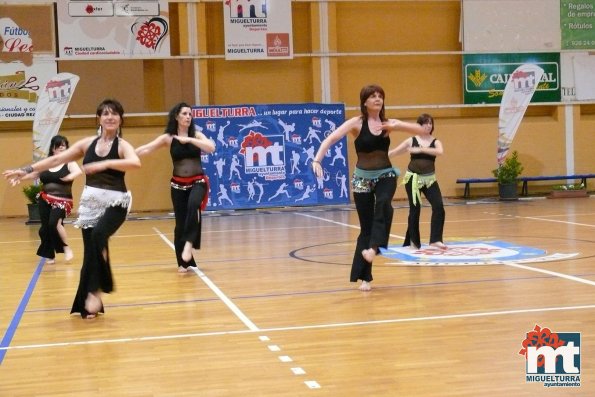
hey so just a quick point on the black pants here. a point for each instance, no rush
(434, 196)
(187, 212)
(51, 242)
(375, 213)
(96, 272)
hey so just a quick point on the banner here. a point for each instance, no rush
(113, 29)
(485, 76)
(264, 155)
(19, 86)
(51, 107)
(258, 29)
(577, 25)
(518, 93)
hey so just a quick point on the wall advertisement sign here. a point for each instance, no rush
(485, 76)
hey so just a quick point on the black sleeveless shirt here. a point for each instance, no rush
(372, 150)
(422, 163)
(109, 179)
(52, 184)
(186, 159)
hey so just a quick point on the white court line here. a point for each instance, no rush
(555, 221)
(308, 327)
(243, 318)
(556, 274)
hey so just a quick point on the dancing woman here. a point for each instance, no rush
(55, 203)
(421, 178)
(374, 180)
(189, 185)
(104, 202)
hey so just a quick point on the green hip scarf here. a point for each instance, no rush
(418, 182)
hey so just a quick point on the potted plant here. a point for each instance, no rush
(564, 191)
(507, 175)
(31, 192)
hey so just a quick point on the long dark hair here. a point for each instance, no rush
(172, 123)
(114, 106)
(425, 118)
(364, 94)
(56, 142)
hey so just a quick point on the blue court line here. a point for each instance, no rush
(14, 323)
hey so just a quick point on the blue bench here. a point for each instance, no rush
(525, 179)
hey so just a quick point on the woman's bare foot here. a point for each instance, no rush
(365, 286)
(68, 255)
(182, 269)
(187, 252)
(93, 303)
(439, 244)
(369, 254)
(49, 261)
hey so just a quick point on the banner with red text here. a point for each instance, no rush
(264, 155)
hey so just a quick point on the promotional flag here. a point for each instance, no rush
(51, 107)
(518, 92)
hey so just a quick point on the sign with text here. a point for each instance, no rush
(113, 29)
(485, 76)
(264, 155)
(577, 24)
(258, 29)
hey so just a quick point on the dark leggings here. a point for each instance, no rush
(96, 273)
(188, 215)
(51, 242)
(375, 213)
(434, 196)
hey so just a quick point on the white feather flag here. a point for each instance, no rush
(518, 92)
(49, 113)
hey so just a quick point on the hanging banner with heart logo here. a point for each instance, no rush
(113, 29)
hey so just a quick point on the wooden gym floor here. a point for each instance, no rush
(271, 312)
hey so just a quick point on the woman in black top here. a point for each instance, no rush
(374, 180)
(55, 203)
(189, 185)
(421, 177)
(104, 202)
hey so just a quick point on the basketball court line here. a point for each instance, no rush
(243, 318)
(304, 327)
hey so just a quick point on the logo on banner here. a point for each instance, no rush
(277, 44)
(247, 9)
(264, 155)
(553, 359)
(59, 91)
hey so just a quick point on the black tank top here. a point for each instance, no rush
(372, 150)
(186, 159)
(422, 163)
(52, 184)
(109, 179)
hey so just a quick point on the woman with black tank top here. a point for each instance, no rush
(421, 178)
(189, 185)
(374, 179)
(55, 203)
(104, 202)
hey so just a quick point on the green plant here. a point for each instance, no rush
(569, 187)
(32, 191)
(509, 171)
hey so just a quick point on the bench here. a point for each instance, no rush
(525, 180)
